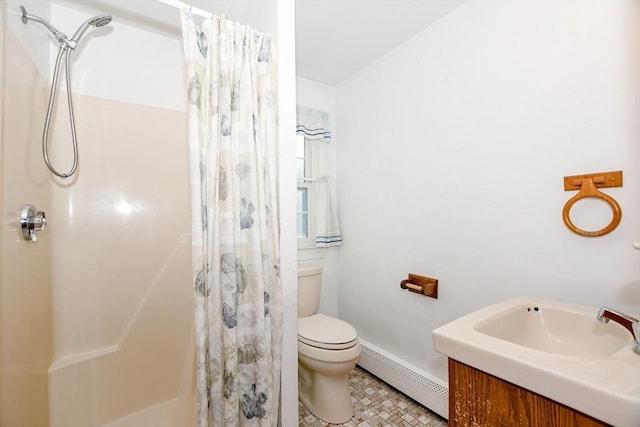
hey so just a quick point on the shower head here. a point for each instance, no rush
(100, 20)
(96, 21)
(67, 45)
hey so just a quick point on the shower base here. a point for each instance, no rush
(170, 413)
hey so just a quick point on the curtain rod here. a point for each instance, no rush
(185, 6)
(321, 179)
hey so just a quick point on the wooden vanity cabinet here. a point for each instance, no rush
(481, 400)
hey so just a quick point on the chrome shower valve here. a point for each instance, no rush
(32, 221)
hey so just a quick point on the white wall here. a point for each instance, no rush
(123, 62)
(316, 95)
(32, 35)
(451, 159)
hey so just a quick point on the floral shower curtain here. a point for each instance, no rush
(231, 81)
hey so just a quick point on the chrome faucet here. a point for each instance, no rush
(630, 323)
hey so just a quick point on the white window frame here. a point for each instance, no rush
(308, 242)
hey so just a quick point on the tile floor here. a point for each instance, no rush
(376, 404)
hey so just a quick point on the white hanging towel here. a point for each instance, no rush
(327, 227)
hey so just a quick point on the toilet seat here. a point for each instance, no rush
(326, 332)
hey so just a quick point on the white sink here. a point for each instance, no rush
(557, 350)
(561, 331)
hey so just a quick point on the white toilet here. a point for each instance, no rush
(328, 349)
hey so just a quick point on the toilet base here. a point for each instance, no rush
(326, 395)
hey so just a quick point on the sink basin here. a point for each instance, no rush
(560, 351)
(560, 331)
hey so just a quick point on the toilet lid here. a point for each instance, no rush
(326, 332)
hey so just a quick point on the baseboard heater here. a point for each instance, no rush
(421, 386)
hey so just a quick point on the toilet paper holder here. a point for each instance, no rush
(427, 286)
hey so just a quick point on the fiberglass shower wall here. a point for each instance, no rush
(26, 332)
(97, 316)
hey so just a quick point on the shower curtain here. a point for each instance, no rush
(232, 111)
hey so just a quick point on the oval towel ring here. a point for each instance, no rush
(588, 189)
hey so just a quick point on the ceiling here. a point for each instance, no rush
(334, 38)
(337, 38)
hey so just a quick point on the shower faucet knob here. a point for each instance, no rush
(32, 221)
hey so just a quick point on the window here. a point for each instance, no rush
(306, 236)
(317, 223)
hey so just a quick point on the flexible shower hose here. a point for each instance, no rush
(64, 51)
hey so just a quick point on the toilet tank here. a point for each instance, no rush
(308, 290)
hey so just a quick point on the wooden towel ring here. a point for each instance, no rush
(588, 189)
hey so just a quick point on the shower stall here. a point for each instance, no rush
(96, 317)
